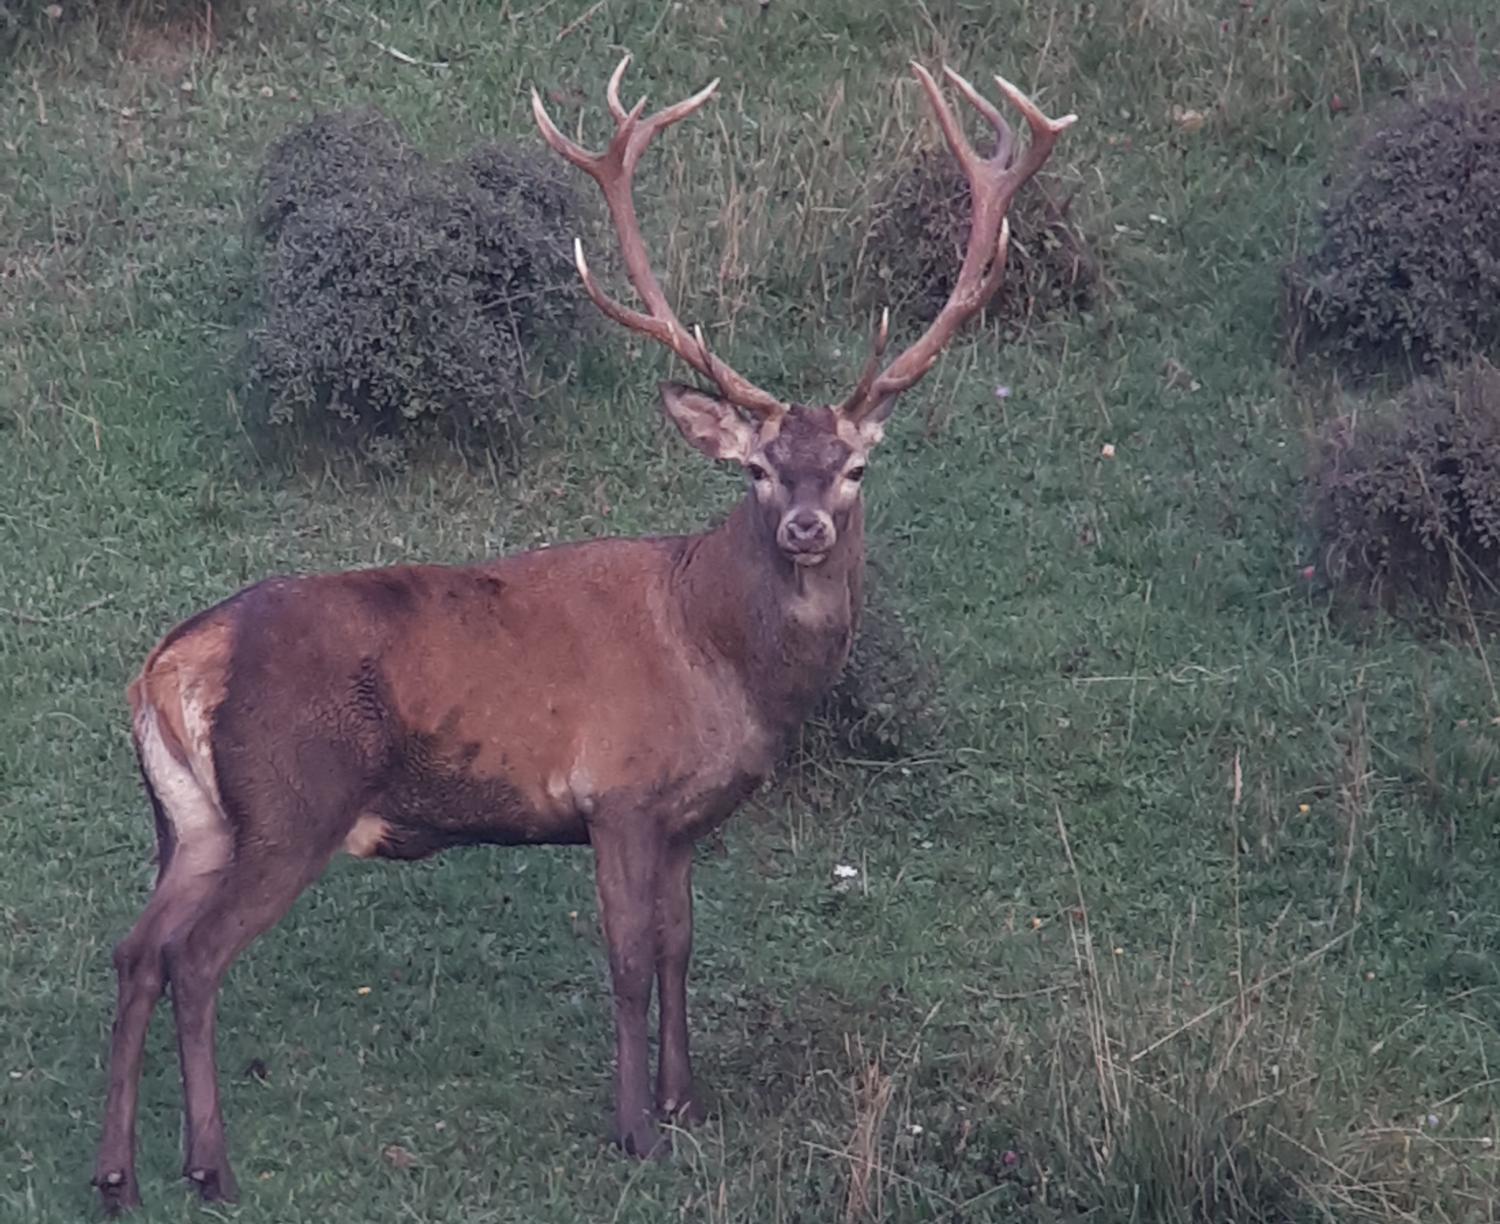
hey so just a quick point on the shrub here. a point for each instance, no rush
(403, 298)
(1409, 503)
(327, 156)
(1408, 269)
(885, 706)
(919, 228)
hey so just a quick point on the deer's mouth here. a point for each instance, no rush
(807, 556)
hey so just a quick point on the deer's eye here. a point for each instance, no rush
(856, 473)
(757, 473)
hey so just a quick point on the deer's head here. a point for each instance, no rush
(803, 467)
(804, 464)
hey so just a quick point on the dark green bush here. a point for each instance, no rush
(1408, 503)
(328, 156)
(919, 227)
(886, 705)
(1408, 269)
(403, 298)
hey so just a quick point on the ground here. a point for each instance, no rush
(1190, 913)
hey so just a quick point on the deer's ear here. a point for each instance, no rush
(711, 425)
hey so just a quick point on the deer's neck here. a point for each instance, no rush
(786, 629)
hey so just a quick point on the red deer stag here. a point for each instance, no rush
(626, 693)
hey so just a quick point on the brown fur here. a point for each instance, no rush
(624, 693)
(628, 694)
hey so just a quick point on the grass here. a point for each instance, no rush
(1192, 914)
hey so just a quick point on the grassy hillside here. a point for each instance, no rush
(1191, 915)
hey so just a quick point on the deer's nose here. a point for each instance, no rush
(804, 525)
(807, 531)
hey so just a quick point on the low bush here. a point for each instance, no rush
(887, 704)
(1407, 503)
(1407, 272)
(919, 227)
(402, 298)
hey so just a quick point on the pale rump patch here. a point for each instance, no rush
(173, 702)
(200, 697)
(203, 839)
(184, 682)
(364, 839)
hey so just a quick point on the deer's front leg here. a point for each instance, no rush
(674, 946)
(626, 861)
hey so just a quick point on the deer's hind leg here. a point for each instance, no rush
(254, 892)
(291, 809)
(193, 844)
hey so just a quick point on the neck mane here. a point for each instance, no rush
(786, 629)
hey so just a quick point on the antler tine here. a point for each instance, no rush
(1035, 119)
(1005, 138)
(872, 363)
(576, 154)
(658, 329)
(1044, 131)
(953, 131)
(612, 170)
(612, 90)
(993, 183)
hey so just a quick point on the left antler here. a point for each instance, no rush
(993, 182)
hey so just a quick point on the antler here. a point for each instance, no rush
(612, 170)
(993, 182)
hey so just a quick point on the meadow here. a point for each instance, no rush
(1188, 913)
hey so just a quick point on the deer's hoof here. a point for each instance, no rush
(686, 1114)
(642, 1141)
(118, 1191)
(214, 1185)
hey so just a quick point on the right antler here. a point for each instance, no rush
(993, 182)
(612, 170)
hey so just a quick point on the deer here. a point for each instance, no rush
(627, 694)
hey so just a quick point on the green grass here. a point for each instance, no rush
(1176, 801)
